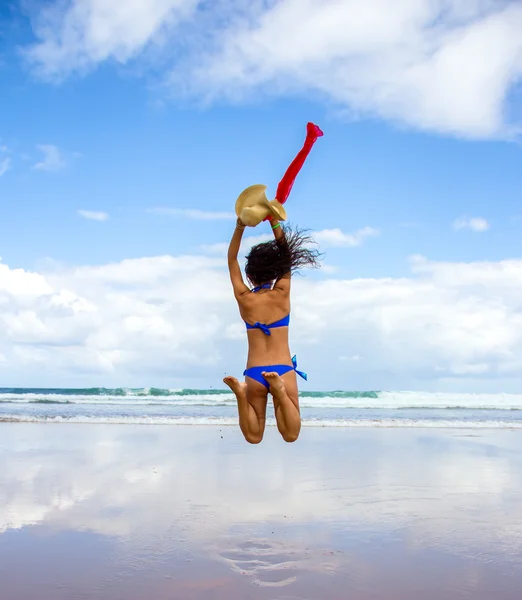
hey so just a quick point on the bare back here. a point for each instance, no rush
(267, 306)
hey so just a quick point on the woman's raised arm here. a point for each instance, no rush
(279, 234)
(233, 265)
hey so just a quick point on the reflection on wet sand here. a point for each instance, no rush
(170, 512)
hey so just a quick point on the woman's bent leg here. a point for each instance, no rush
(286, 408)
(251, 408)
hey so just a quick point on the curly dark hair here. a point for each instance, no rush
(272, 260)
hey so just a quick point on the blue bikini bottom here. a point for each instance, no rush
(255, 372)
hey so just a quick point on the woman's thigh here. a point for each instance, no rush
(257, 397)
(291, 387)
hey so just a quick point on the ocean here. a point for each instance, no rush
(154, 406)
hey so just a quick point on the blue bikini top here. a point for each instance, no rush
(265, 286)
(284, 322)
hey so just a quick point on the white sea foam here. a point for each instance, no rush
(395, 400)
(339, 400)
(226, 422)
(130, 400)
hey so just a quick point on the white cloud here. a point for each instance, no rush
(22, 285)
(5, 165)
(52, 159)
(324, 237)
(172, 321)
(336, 238)
(193, 213)
(355, 358)
(79, 34)
(6, 162)
(477, 224)
(246, 243)
(93, 215)
(329, 268)
(439, 65)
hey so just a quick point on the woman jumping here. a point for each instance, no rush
(266, 311)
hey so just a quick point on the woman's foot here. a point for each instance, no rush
(277, 386)
(236, 386)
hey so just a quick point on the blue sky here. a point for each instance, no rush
(114, 126)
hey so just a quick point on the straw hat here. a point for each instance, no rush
(253, 206)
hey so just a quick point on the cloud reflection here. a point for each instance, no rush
(264, 512)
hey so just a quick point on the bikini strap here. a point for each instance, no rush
(265, 286)
(300, 373)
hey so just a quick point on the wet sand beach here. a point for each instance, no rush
(131, 512)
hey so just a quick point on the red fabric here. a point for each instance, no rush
(285, 185)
